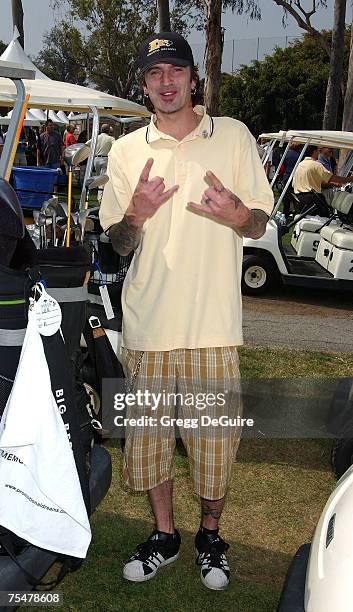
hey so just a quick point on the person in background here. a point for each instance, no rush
(289, 162)
(52, 148)
(291, 159)
(69, 138)
(326, 159)
(103, 146)
(311, 175)
(82, 137)
(31, 146)
(38, 132)
(20, 156)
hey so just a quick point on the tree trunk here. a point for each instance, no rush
(214, 48)
(336, 66)
(163, 15)
(347, 119)
(17, 19)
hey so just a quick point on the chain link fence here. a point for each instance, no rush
(237, 52)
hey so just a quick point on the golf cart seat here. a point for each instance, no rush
(311, 225)
(342, 202)
(335, 251)
(327, 232)
(306, 236)
(343, 239)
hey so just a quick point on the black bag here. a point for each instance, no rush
(62, 359)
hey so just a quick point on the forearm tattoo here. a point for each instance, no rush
(124, 236)
(256, 226)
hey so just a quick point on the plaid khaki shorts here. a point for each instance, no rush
(197, 387)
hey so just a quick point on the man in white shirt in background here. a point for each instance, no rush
(104, 144)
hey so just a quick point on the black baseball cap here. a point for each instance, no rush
(165, 47)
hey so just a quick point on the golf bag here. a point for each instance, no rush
(65, 272)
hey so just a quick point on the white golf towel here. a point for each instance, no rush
(40, 494)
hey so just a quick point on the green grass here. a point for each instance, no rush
(264, 362)
(276, 495)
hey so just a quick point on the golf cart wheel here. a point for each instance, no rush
(257, 275)
(341, 456)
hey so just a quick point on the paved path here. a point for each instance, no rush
(300, 319)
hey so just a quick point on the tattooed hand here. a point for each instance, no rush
(221, 204)
(148, 196)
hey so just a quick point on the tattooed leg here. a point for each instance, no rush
(124, 236)
(211, 511)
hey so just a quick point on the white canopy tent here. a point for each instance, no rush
(15, 54)
(30, 120)
(39, 114)
(82, 116)
(63, 117)
(53, 95)
(46, 93)
(55, 118)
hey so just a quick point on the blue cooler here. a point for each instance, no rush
(33, 179)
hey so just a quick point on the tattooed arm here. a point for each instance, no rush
(124, 236)
(225, 206)
(255, 226)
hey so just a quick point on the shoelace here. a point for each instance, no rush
(214, 555)
(146, 550)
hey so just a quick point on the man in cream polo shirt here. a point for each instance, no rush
(312, 175)
(182, 194)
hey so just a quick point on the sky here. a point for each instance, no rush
(39, 17)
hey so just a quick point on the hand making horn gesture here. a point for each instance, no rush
(221, 204)
(149, 195)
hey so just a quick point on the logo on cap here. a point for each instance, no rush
(158, 43)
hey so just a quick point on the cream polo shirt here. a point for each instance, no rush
(104, 144)
(182, 289)
(310, 174)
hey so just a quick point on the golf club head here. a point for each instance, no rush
(49, 206)
(60, 209)
(96, 181)
(76, 153)
(42, 219)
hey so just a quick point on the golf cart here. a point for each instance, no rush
(320, 254)
(320, 576)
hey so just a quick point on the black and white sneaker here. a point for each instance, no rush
(160, 549)
(210, 556)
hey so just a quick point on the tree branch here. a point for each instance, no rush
(305, 23)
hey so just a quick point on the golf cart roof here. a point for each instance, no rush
(331, 138)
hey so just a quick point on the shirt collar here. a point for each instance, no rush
(202, 130)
